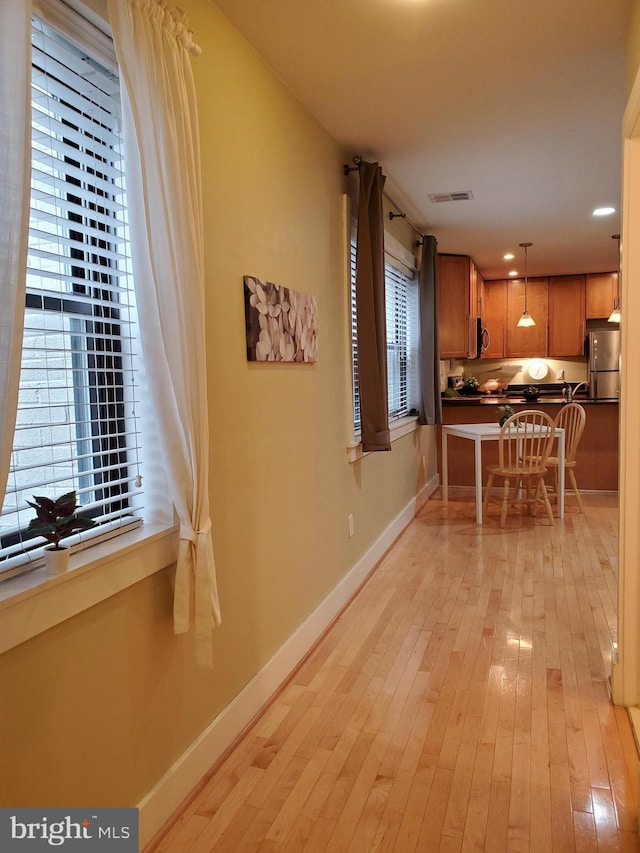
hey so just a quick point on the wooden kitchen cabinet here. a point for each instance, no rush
(528, 341)
(560, 306)
(494, 317)
(477, 288)
(601, 294)
(566, 316)
(459, 284)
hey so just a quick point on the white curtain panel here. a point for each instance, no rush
(15, 175)
(164, 189)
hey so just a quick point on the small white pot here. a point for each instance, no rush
(56, 560)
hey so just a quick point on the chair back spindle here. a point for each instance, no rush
(572, 419)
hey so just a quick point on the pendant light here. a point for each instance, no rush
(614, 317)
(526, 319)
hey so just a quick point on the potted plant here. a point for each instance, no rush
(55, 519)
(470, 386)
(505, 413)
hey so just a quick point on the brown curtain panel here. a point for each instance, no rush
(370, 310)
(431, 402)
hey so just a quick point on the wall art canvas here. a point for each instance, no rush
(281, 323)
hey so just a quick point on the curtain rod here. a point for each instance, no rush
(348, 169)
(402, 215)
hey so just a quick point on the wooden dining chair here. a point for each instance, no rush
(524, 445)
(572, 419)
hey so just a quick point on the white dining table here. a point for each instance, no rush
(490, 432)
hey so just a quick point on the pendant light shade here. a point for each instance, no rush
(614, 317)
(526, 319)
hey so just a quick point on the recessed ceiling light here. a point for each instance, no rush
(603, 211)
(509, 256)
(513, 273)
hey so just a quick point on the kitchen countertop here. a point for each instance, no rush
(508, 400)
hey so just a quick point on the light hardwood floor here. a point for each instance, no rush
(460, 703)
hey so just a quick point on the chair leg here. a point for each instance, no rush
(533, 495)
(574, 486)
(505, 501)
(545, 498)
(487, 494)
(521, 494)
(517, 485)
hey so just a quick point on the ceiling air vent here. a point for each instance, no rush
(463, 195)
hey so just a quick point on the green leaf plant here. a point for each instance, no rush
(55, 518)
(505, 413)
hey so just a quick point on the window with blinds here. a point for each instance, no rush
(401, 301)
(354, 342)
(401, 296)
(76, 424)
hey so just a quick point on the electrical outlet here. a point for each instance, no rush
(350, 523)
(559, 374)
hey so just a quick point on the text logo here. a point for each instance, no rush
(86, 830)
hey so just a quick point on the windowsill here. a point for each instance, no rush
(399, 428)
(34, 602)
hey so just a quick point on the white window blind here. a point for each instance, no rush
(76, 424)
(402, 342)
(401, 299)
(354, 341)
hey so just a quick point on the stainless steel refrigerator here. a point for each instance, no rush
(604, 364)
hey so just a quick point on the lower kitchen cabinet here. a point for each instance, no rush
(597, 458)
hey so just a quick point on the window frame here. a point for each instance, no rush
(33, 602)
(403, 344)
(75, 184)
(403, 263)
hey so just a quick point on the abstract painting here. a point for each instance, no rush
(281, 323)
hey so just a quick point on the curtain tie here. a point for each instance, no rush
(187, 531)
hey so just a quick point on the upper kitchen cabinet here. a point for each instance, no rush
(566, 315)
(476, 282)
(602, 293)
(459, 288)
(527, 341)
(494, 317)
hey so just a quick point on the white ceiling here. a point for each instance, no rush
(519, 101)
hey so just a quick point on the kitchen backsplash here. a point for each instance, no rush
(514, 370)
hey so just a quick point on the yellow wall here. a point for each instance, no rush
(95, 710)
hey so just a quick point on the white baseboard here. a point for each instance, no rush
(167, 795)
